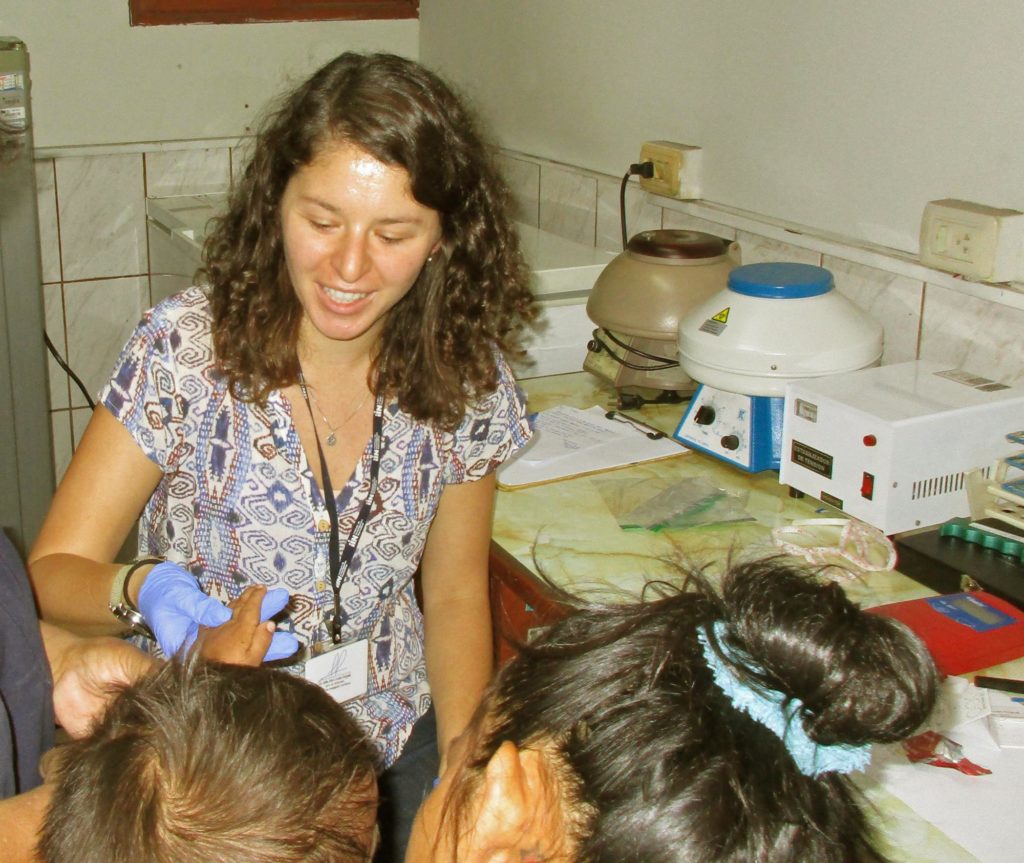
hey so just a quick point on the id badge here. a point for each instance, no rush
(342, 672)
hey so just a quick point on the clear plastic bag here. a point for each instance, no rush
(686, 503)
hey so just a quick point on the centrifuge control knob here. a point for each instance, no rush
(705, 415)
(731, 442)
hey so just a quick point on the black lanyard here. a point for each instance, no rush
(340, 562)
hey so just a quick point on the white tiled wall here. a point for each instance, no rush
(95, 260)
(973, 334)
(568, 203)
(892, 300)
(98, 279)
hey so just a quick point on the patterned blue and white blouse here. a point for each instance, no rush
(238, 503)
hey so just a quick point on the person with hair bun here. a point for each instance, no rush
(323, 417)
(704, 726)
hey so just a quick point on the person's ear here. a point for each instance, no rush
(521, 814)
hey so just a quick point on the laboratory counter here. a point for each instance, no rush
(605, 535)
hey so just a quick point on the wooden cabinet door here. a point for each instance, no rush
(520, 603)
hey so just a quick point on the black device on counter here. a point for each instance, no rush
(949, 564)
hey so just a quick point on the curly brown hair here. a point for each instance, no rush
(437, 350)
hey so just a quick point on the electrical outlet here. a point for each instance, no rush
(676, 169)
(979, 242)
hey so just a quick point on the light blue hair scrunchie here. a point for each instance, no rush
(767, 707)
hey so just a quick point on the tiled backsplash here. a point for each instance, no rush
(98, 278)
(96, 272)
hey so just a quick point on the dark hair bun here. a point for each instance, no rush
(861, 678)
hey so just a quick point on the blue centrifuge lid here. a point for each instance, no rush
(780, 281)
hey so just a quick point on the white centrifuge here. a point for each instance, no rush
(774, 323)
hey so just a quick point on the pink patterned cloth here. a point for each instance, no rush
(238, 504)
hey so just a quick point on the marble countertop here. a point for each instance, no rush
(606, 535)
(573, 530)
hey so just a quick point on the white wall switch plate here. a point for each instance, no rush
(982, 243)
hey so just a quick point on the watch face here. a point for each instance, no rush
(136, 622)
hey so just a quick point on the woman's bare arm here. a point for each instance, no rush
(97, 503)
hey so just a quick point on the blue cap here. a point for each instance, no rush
(780, 281)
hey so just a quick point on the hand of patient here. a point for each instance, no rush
(175, 606)
(87, 672)
(248, 637)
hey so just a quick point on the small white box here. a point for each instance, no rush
(177, 228)
(980, 242)
(1006, 720)
(891, 445)
(563, 273)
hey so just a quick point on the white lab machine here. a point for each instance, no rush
(563, 274)
(892, 445)
(774, 323)
(177, 228)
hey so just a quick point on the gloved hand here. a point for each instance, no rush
(174, 606)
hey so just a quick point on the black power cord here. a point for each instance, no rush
(597, 344)
(63, 364)
(637, 169)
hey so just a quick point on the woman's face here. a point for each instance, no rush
(355, 241)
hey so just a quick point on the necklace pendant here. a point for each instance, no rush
(332, 439)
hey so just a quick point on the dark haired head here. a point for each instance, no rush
(209, 762)
(659, 763)
(437, 348)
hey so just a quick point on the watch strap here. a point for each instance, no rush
(119, 602)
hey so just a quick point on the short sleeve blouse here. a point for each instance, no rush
(238, 503)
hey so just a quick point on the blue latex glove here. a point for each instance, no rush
(174, 606)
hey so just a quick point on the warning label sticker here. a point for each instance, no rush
(715, 325)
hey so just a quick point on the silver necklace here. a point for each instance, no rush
(332, 437)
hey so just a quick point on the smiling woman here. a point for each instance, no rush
(354, 243)
(325, 415)
(147, 12)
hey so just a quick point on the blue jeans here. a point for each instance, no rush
(404, 786)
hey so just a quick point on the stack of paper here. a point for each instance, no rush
(568, 442)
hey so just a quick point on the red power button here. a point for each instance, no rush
(867, 486)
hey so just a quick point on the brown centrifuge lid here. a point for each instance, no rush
(677, 245)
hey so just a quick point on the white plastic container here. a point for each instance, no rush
(776, 323)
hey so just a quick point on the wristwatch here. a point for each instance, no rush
(121, 606)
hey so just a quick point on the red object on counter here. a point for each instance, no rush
(940, 751)
(963, 631)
